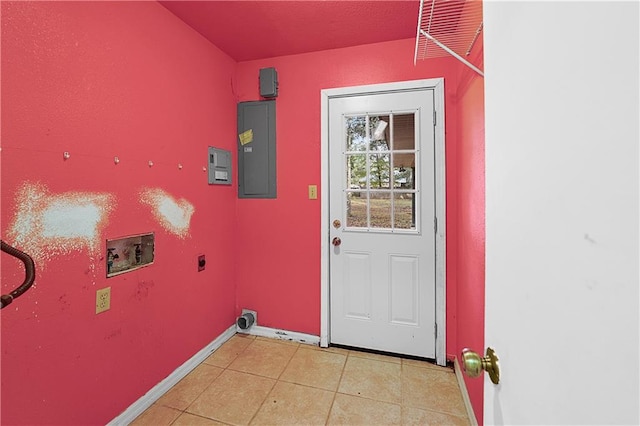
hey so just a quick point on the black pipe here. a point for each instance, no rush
(29, 272)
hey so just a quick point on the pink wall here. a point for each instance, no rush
(130, 80)
(279, 264)
(470, 220)
(105, 79)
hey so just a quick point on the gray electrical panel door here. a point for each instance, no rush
(257, 149)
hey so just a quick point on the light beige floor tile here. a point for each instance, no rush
(424, 364)
(418, 417)
(291, 404)
(264, 358)
(371, 379)
(157, 415)
(372, 388)
(378, 357)
(315, 368)
(233, 397)
(189, 388)
(351, 410)
(187, 419)
(431, 389)
(225, 354)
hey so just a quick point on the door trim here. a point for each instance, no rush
(437, 85)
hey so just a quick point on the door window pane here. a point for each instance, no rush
(403, 170)
(356, 133)
(404, 211)
(356, 171)
(379, 168)
(380, 206)
(357, 207)
(404, 132)
(379, 131)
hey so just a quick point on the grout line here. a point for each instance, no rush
(255, 375)
(433, 410)
(252, 374)
(307, 371)
(275, 382)
(305, 385)
(210, 384)
(206, 418)
(204, 390)
(175, 409)
(239, 353)
(346, 358)
(376, 400)
(440, 411)
(218, 376)
(288, 362)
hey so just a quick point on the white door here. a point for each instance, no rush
(562, 211)
(381, 204)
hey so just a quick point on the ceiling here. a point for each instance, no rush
(250, 29)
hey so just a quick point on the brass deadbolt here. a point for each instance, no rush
(336, 224)
(473, 364)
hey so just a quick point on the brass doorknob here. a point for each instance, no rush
(473, 364)
(336, 241)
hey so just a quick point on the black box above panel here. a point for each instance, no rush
(268, 82)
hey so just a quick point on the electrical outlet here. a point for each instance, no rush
(103, 300)
(313, 192)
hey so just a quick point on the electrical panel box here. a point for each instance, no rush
(257, 149)
(219, 166)
(268, 82)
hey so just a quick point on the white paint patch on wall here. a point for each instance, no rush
(173, 215)
(47, 225)
(70, 221)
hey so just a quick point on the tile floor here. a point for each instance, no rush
(260, 381)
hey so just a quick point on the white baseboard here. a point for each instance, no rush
(465, 394)
(274, 333)
(145, 401)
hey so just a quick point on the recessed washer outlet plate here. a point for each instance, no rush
(129, 253)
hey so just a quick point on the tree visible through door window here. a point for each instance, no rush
(380, 155)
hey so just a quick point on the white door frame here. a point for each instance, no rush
(437, 85)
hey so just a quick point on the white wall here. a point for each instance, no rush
(562, 136)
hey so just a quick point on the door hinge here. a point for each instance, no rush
(435, 329)
(435, 225)
(435, 120)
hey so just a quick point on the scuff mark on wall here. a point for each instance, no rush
(48, 225)
(142, 291)
(173, 215)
